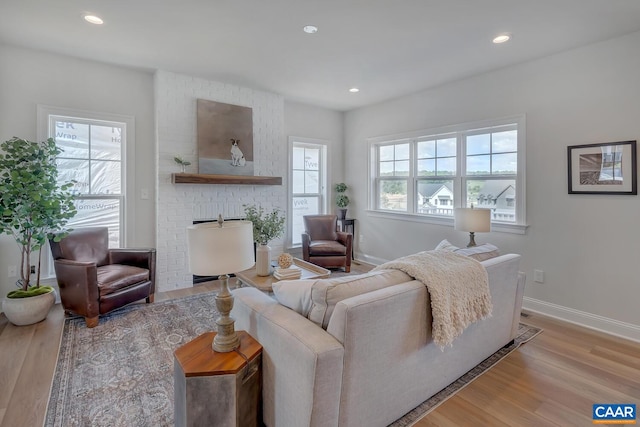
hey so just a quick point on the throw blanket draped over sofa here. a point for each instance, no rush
(459, 289)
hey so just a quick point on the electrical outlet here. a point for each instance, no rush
(13, 271)
(361, 239)
(538, 276)
(33, 269)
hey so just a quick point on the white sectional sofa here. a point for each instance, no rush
(374, 360)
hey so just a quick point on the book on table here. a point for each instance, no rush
(290, 273)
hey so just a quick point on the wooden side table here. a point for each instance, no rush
(218, 389)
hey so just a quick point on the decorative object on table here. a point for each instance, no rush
(225, 138)
(217, 249)
(34, 206)
(182, 162)
(608, 168)
(473, 220)
(266, 227)
(342, 200)
(285, 260)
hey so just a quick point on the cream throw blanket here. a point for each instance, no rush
(458, 286)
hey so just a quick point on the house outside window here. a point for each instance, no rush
(430, 173)
(308, 187)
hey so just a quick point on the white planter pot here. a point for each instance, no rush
(263, 260)
(27, 311)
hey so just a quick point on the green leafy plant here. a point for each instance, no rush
(34, 207)
(266, 226)
(342, 200)
(181, 161)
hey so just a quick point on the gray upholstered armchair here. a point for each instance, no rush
(323, 245)
(94, 279)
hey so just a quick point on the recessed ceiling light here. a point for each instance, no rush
(354, 90)
(310, 29)
(502, 38)
(93, 19)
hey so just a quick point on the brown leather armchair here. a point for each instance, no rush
(323, 245)
(94, 279)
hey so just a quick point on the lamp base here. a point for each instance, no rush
(226, 340)
(472, 239)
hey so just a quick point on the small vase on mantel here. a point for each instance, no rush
(263, 259)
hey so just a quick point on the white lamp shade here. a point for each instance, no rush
(215, 250)
(473, 220)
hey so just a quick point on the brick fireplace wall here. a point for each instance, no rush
(177, 206)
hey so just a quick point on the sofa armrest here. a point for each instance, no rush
(302, 363)
(143, 258)
(347, 240)
(78, 284)
(306, 240)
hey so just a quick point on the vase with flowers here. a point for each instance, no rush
(266, 227)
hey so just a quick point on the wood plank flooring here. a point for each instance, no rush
(551, 381)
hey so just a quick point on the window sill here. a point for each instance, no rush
(502, 227)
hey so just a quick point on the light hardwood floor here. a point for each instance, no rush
(551, 381)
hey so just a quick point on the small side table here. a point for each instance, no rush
(218, 389)
(348, 225)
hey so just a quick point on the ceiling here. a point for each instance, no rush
(386, 48)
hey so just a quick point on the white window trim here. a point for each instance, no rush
(519, 227)
(128, 186)
(324, 180)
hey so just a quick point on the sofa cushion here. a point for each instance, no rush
(294, 294)
(326, 293)
(479, 253)
(113, 277)
(326, 248)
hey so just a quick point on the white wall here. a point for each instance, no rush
(29, 77)
(587, 245)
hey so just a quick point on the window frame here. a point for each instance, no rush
(127, 201)
(323, 180)
(459, 180)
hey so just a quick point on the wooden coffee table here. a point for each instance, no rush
(263, 283)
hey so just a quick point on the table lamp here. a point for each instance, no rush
(472, 220)
(217, 249)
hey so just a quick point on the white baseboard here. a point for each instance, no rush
(582, 318)
(369, 259)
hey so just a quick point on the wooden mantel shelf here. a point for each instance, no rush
(197, 178)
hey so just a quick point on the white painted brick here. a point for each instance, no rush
(179, 205)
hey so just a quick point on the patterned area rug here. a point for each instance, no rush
(121, 372)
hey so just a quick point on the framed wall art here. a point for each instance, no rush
(225, 138)
(607, 168)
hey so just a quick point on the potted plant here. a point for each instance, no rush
(182, 162)
(33, 208)
(342, 200)
(266, 227)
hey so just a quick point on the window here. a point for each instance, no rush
(92, 157)
(432, 172)
(97, 147)
(307, 183)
